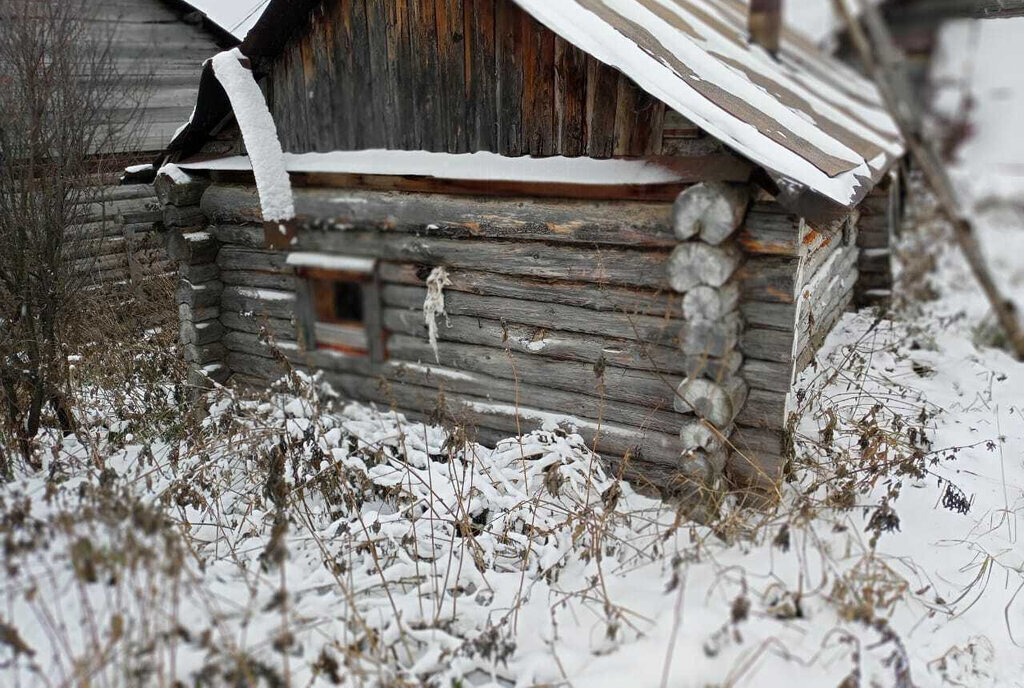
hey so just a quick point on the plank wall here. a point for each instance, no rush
(460, 76)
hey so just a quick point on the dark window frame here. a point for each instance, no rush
(322, 320)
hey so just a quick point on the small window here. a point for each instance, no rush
(339, 304)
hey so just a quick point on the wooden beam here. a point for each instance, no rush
(765, 24)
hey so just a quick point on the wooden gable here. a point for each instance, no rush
(459, 76)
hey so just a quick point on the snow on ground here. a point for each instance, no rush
(293, 540)
(975, 77)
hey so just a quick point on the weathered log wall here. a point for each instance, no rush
(114, 240)
(460, 76)
(667, 334)
(879, 216)
(198, 296)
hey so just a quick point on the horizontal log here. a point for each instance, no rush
(279, 328)
(773, 376)
(236, 258)
(98, 264)
(758, 463)
(200, 333)
(642, 388)
(198, 295)
(193, 248)
(261, 369)
(695, 263)
(119, 192)
(181, 190)
(815, 340)
(197, 274)
(666, 303)
(269, 302)
(710, 303)
(664, 482)
(771, 279)
(769, 230)
(712, 210)
(627, 223)
(198, 314)
(764, 409)
(552, 316)
(246, 236)
(715, 402)
(188, 216)
(754, 441)
(204, 354)
(118, 211)
(721, 166)
(767, 344)
(96, 248)
(540, 341)
(486, 387)
(875, 260)
(531, 259)
(783, 316)
(605, 438)
(262, 280)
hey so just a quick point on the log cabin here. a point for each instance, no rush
(163, 44)
(635, 219)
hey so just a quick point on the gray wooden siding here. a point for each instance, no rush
(150, 37)
(459, 76)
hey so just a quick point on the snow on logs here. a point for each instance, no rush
(703, 268)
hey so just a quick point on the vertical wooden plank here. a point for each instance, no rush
(602, 96)
(305, 313)
(639, 121)
(511, 63)
(539, 87)
(400, 76)
(626, 116)
(300, 125)
(481, 54)
(452, 65)
(423, 28)
(320, 90)
(570, 99)
(383, 91)
(369, 132)
(373, 318)
(343, 93)
(655, 129)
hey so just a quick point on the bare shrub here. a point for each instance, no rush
(68, 110)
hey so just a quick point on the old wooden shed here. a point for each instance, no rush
(161, 44)
(642, 223)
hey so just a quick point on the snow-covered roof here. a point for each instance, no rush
(234, 16)
(804, 116)
(812, 122)
(465, 167)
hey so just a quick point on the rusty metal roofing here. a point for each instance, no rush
(807, 118)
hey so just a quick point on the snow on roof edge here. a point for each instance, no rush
(482, 166)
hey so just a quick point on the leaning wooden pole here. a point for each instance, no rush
(883, 59)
